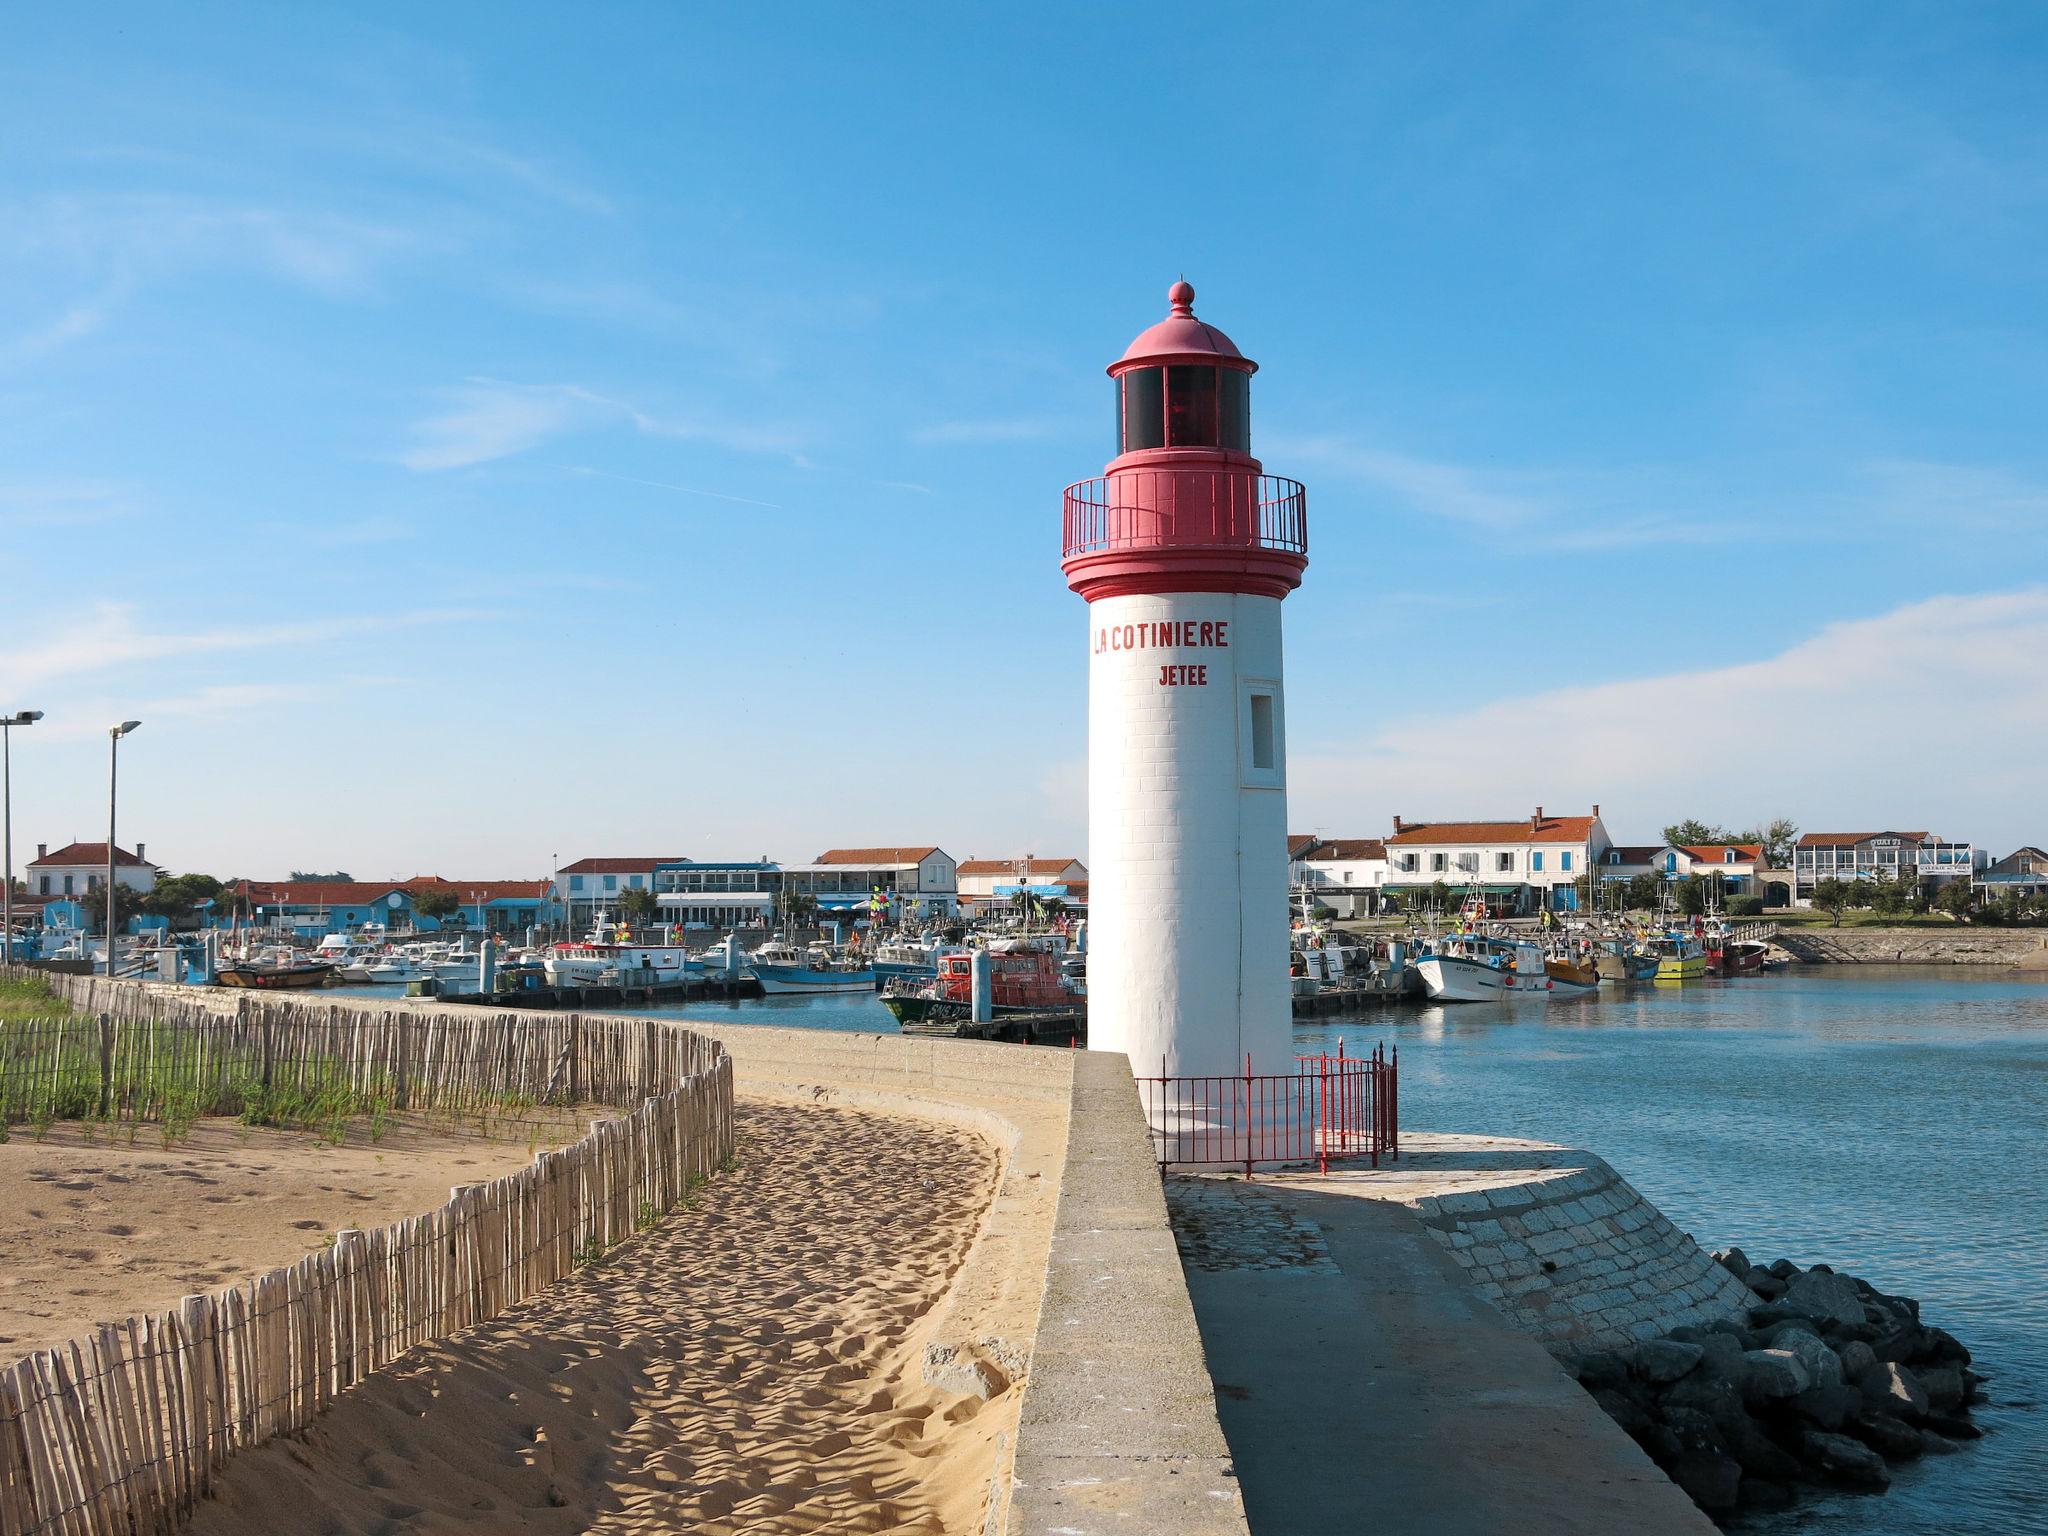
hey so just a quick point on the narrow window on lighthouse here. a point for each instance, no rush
(1262, 732)
(1144, 410)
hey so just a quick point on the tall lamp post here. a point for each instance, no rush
(114, 735)
(7, 724)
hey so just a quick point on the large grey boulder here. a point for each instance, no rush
(1845, 1460)
(1944, 1384)
(1823, 1297)
(1829, 1407)
(1890, 1388)
(1722, 1355)
(1823, 1365)
(1734, 1260)
(1711, 1479)
(1764, 1284)
(1857, 1357)
(1604, 1368)
(1770, 1374)
(1661, 1360)
(1719, 1398)
(1760, 1455)
(1893, 1439)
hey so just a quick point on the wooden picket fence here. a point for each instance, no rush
(122, 1431)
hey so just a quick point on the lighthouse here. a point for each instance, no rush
(1185, 549)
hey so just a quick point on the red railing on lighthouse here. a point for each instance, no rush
(1185, 508)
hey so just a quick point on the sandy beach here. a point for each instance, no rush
(754, 1363)
(102, 1230)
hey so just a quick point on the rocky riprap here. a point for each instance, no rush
(1824, 1382)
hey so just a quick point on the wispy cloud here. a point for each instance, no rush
(669, 485)
(1984, 497)
(491, 419)
(110, 637)
(127, 237)
(1001, 429)
(1963, 670)
(62, 504)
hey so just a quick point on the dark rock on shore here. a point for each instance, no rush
(1825, 1381)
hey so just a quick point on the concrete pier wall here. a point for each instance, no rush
(1913, 946)
(1561, 1245)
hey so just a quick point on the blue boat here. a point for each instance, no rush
(781, 967)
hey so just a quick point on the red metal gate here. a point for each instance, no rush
(1330, 1106)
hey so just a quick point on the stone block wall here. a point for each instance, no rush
(1912, 946)
(1580, 1260)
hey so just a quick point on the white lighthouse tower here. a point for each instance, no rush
(1184, 550)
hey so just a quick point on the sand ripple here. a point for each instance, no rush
(752, 1365)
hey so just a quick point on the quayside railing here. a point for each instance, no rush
(125, 1429)
(1333, 1106)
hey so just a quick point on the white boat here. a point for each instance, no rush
(1475, 968)
(781, 967)
(610, 951)
(911, 957)
(395, 970)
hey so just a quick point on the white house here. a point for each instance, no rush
(1516, 866)
(77, 868)
(986, 883)
(916, 882)
(1345, 874)
(590, 886)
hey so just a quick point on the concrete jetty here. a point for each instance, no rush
(1372, 1356)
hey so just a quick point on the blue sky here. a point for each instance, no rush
(470, 434)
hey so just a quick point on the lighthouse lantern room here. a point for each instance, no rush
(1184, 549)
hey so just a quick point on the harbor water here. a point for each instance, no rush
(1887, 1121)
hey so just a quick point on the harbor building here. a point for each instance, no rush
(1346, 874)
(1517, 867)
(1931, 860)
(1184, 550)
(716, 893)
(2023, 872)
(907, 884)
(315, 908)
(590, 886)
(1624, 861)
(77, 868)
(994, 885)
(1735, 866)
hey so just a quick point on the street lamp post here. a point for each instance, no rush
(7, 724)
(114, 735)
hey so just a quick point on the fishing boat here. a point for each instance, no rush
(782, 968)
(1743, 957)
(609, 951)
(1680, 957)
(1624, 960)
(1025, 976)
(292, 977)
(1476, 968)
(908, 957)
(1572, 978)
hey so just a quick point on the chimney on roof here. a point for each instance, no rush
(1539, 817)
(1397, 823)
(43, 850)
(140, 856)
(1596, 810)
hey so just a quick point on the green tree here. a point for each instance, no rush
(1832, 896)
(1692, 896)
(1692, 832)
(1438, 897)
(440, 902)
(177, 897)
(638, 903)
(128, 903)
(796, 908)
(1777, 837)
(1644, 893)
(1957, 899)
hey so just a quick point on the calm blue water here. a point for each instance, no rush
(1888, 1121)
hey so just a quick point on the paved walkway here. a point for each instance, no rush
(1361, 1383)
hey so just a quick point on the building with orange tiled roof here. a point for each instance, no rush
(905, 883)
(1517, 867)
(77, 868)
(315, 908)
(1347, 875)
(993, 884)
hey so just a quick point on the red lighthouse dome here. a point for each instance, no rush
(1184, 507)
